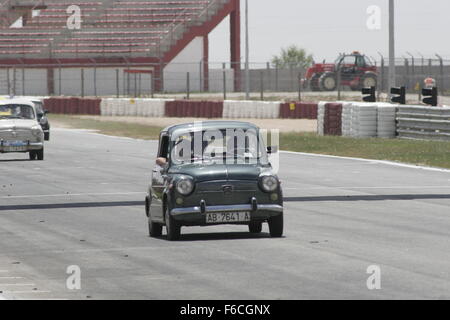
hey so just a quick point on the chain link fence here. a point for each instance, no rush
(199, 77)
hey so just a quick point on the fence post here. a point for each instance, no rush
(14, 81)
(276, 78)
(95, 81)
(135, 85)
(441, 69)
(8, 82)
(261, 79)
(59, 81)
(188, 86)
(224, 85)
(117, 84)
(82, 83)
(300, 86)
(338, 78)
(23, 81)
(152, 84)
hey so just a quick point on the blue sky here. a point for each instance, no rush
(327, 27)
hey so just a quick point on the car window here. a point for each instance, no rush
(16, 111)
(164, 146)
(217, 145)
(360, 61)
(348, 60)
(39, 106)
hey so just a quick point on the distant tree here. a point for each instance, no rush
(293, 56)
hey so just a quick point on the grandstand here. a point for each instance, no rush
(114, 34)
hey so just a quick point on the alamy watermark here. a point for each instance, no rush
(374, 280)
(374, 17)
(73, 282)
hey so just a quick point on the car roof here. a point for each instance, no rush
(16, 101)
(211, 125)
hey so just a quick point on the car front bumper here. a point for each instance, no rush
(197, 215)
(30, 146)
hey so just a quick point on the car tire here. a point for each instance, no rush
(173, 229)
(33, 155)
(154, 229)
(40, 154)
(255, 227)
(369, 80)
(47, 136)
(276, 226)
(328, 82)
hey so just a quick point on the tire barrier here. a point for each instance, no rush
(73, 105)
(333, 119)
(298, 110)
(321, 118)
(154, 108)
(251, 110)
(194, 109)
(368, 120)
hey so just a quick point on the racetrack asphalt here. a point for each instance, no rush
(83, 206)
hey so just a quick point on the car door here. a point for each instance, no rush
(159, 179)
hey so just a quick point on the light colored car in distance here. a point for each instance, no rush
(20, 130)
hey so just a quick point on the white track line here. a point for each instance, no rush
(26, 291)
(72, 195)
(369, 188)
(11, 278)
(389, 163)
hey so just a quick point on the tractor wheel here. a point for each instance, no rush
(328, 82)
(369, 80)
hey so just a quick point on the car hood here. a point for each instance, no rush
(17, 124)
(205, 172)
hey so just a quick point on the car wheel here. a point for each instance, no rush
(255, 227)
(173, 229)
(276, 226)
(33, 155)
(154, 229)
(40, 154)
(47, 136)
(328, 82)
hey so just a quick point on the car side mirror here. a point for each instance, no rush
(161, 162)
(272, 149)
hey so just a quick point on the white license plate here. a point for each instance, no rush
(227, 217)
(15, 149)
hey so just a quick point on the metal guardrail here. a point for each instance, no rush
(418, 122)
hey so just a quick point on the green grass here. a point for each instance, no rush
(130, 130)
(417, 152)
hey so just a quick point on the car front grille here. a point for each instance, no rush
(227, 186)
(17, 135)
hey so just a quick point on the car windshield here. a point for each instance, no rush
(16, 111)
(242, 146)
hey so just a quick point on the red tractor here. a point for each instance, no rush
(357, 71)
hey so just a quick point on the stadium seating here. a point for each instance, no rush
(109, 28)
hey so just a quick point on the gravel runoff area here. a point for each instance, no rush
(284, 125)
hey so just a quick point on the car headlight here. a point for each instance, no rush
(36, 131)
(269, 183)
(185, 186)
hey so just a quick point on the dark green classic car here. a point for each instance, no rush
(212, 173)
